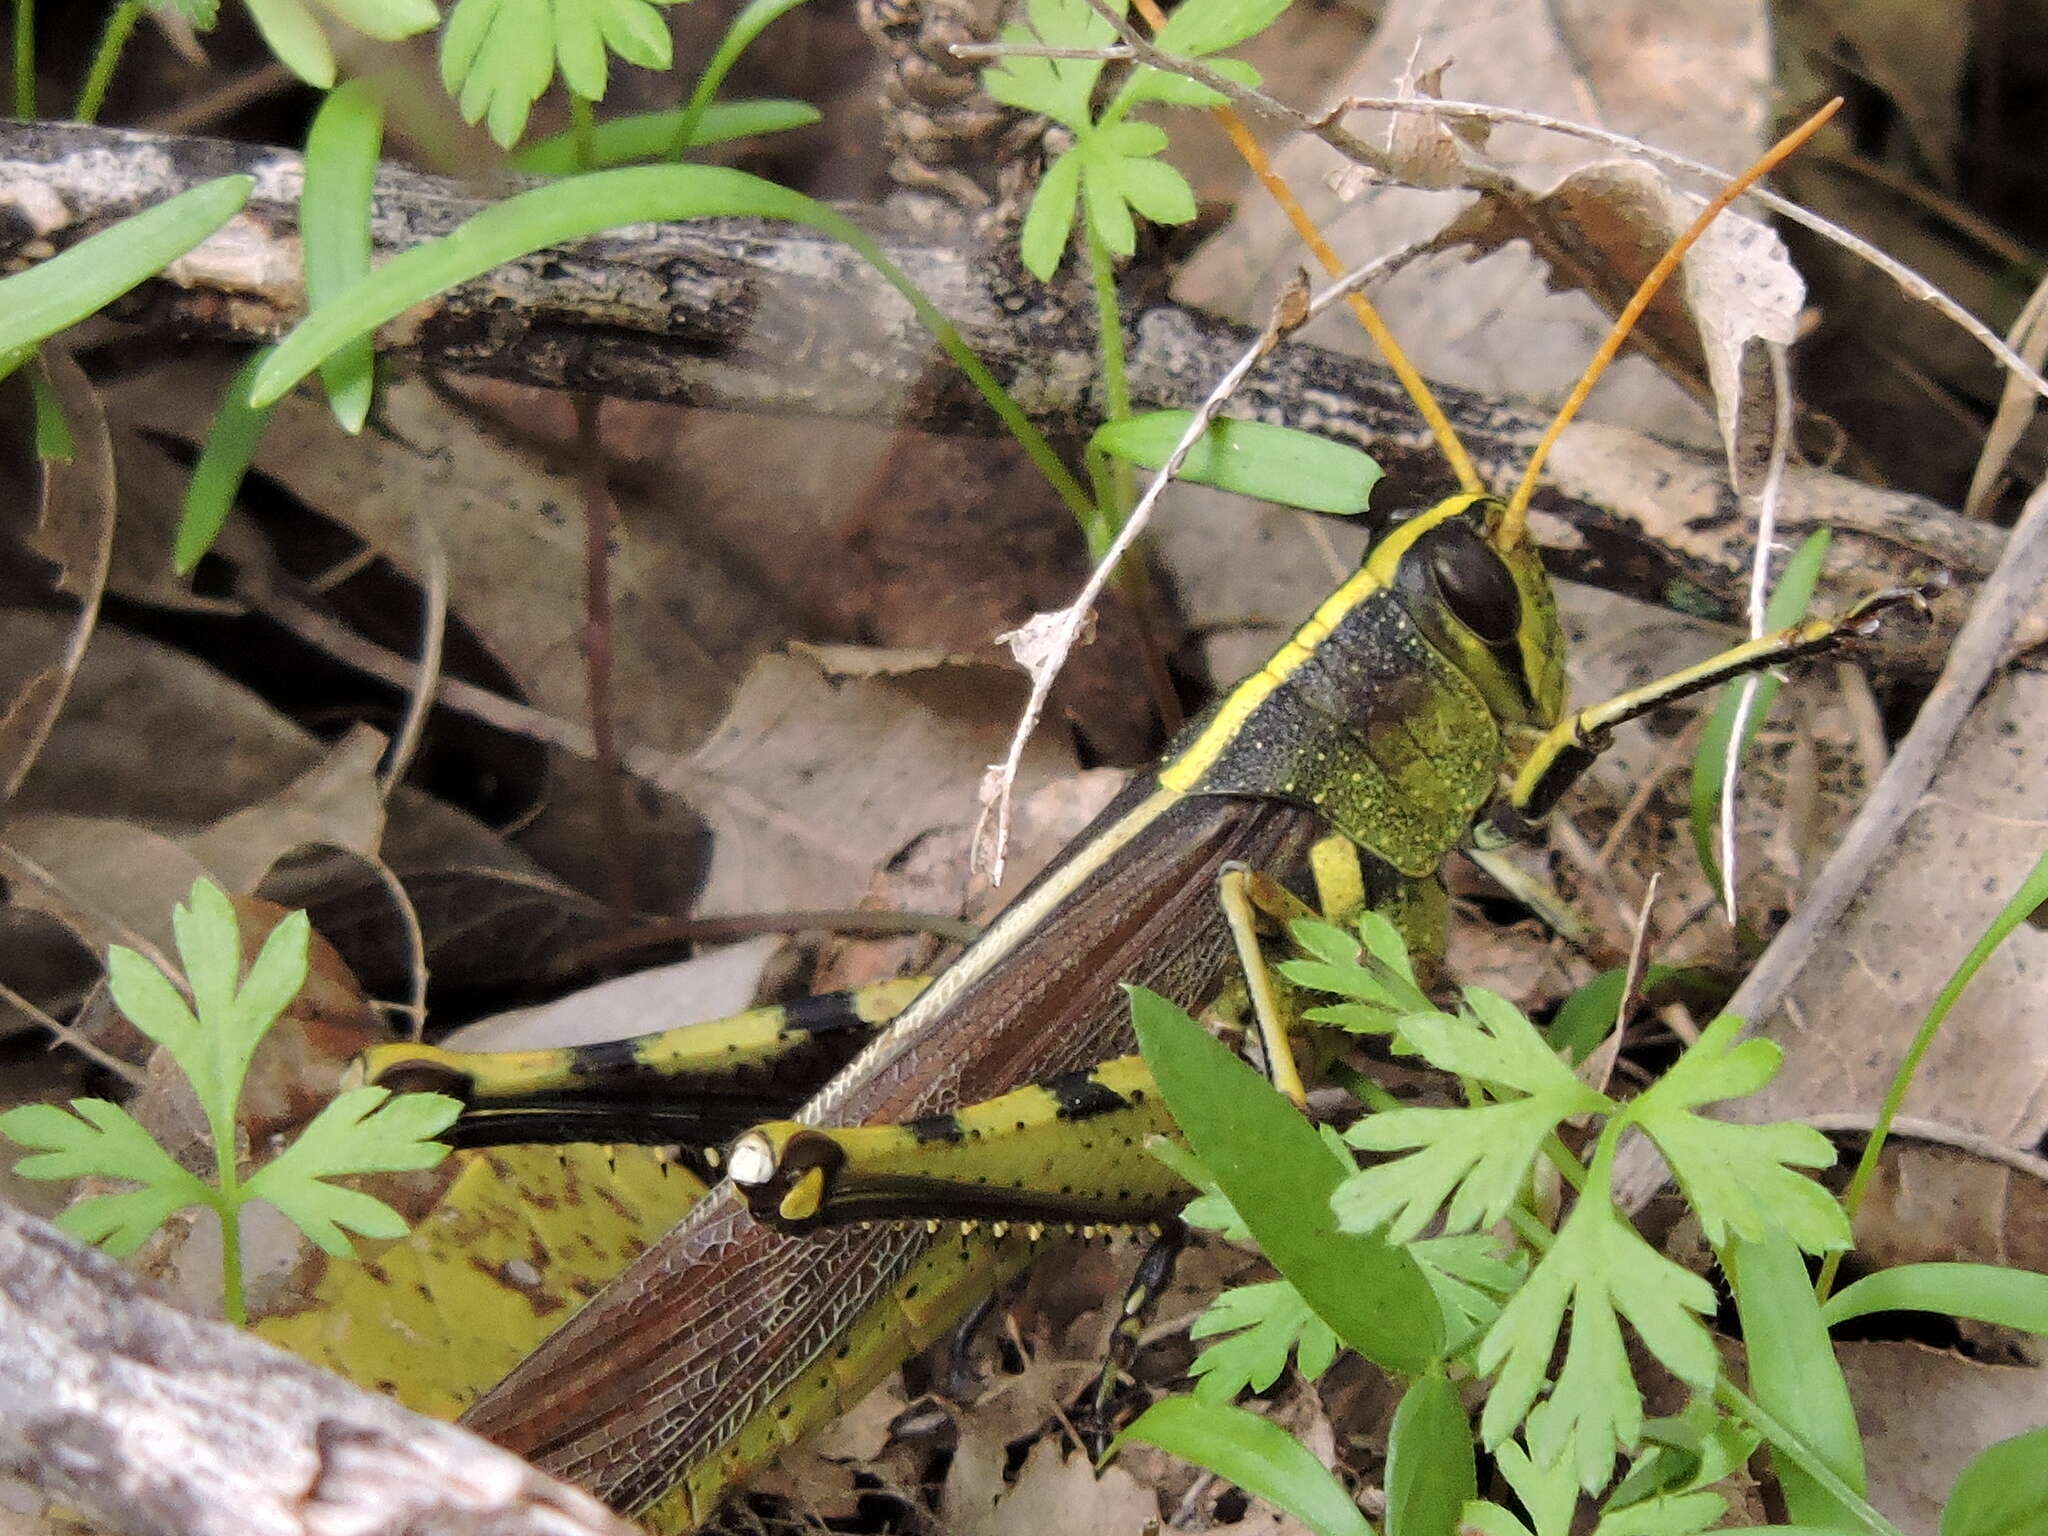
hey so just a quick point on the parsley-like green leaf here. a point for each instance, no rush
(497, 56)
(1049, 221)
(1469, 1277)
(358, 1133)
(1112, 170)
(1474, 1158)
(1061, 89)
(1600, 1270)
(1739, 1178)
(1549, 1492)
(1381, 981)
(1265, 1323)
(96, 1139)
(296, 36)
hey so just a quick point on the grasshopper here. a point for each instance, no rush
(1421, 708)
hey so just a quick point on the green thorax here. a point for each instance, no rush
(1385, 712)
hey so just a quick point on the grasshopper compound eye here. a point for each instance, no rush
(1470, 580)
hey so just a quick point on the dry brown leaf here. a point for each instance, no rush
(1054, 1491)
(1924, 1413)
(336, 803)
(684, 625)
(1861, 999)
(707, 986)
(154, 735)
(812, 786)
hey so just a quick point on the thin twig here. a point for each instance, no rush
(1767, 500)
(981, 53)
(419, 701)
(1938, 1132)
(2029, 336)
(99, 1056)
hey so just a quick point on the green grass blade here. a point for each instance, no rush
(231, 443)
(1257, 1455)
(62, 291)
(1252, 458)
(651, 135)
(748, 25)
(1280, 1176)
(54, 441)
(2003, 1491)
(579, 206)
(1587, 1017)
(1983, 1293)
(1788, 605)
(334, 223)
(1430, 1466)
(1858, 1512)
(1793, 1373)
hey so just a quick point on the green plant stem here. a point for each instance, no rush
(234, 1300)
(1116, 390)
(1782, 1438)
(1116, 493)
(1567, 1164)
(25, 59)
(227, 1205)
(113, 41)
(2032, 893)
(583, 124)
(1531, 1229)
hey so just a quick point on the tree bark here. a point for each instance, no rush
(751, 315)
(158, 1422)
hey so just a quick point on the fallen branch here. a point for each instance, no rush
(159, 1422)
(747, 315)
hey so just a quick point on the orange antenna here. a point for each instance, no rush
(1411, 380)
(1513, 525)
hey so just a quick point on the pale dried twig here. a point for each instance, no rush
(1767, 500)
(433, 637)
(2016, 406)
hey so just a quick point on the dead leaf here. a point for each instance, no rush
(337, 803)
(812, 785)
(1917, 54)
(1865, 992)
(1924, 1413)
(1059, 1490)
(151, 734)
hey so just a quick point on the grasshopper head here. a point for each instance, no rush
(1479, 592)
